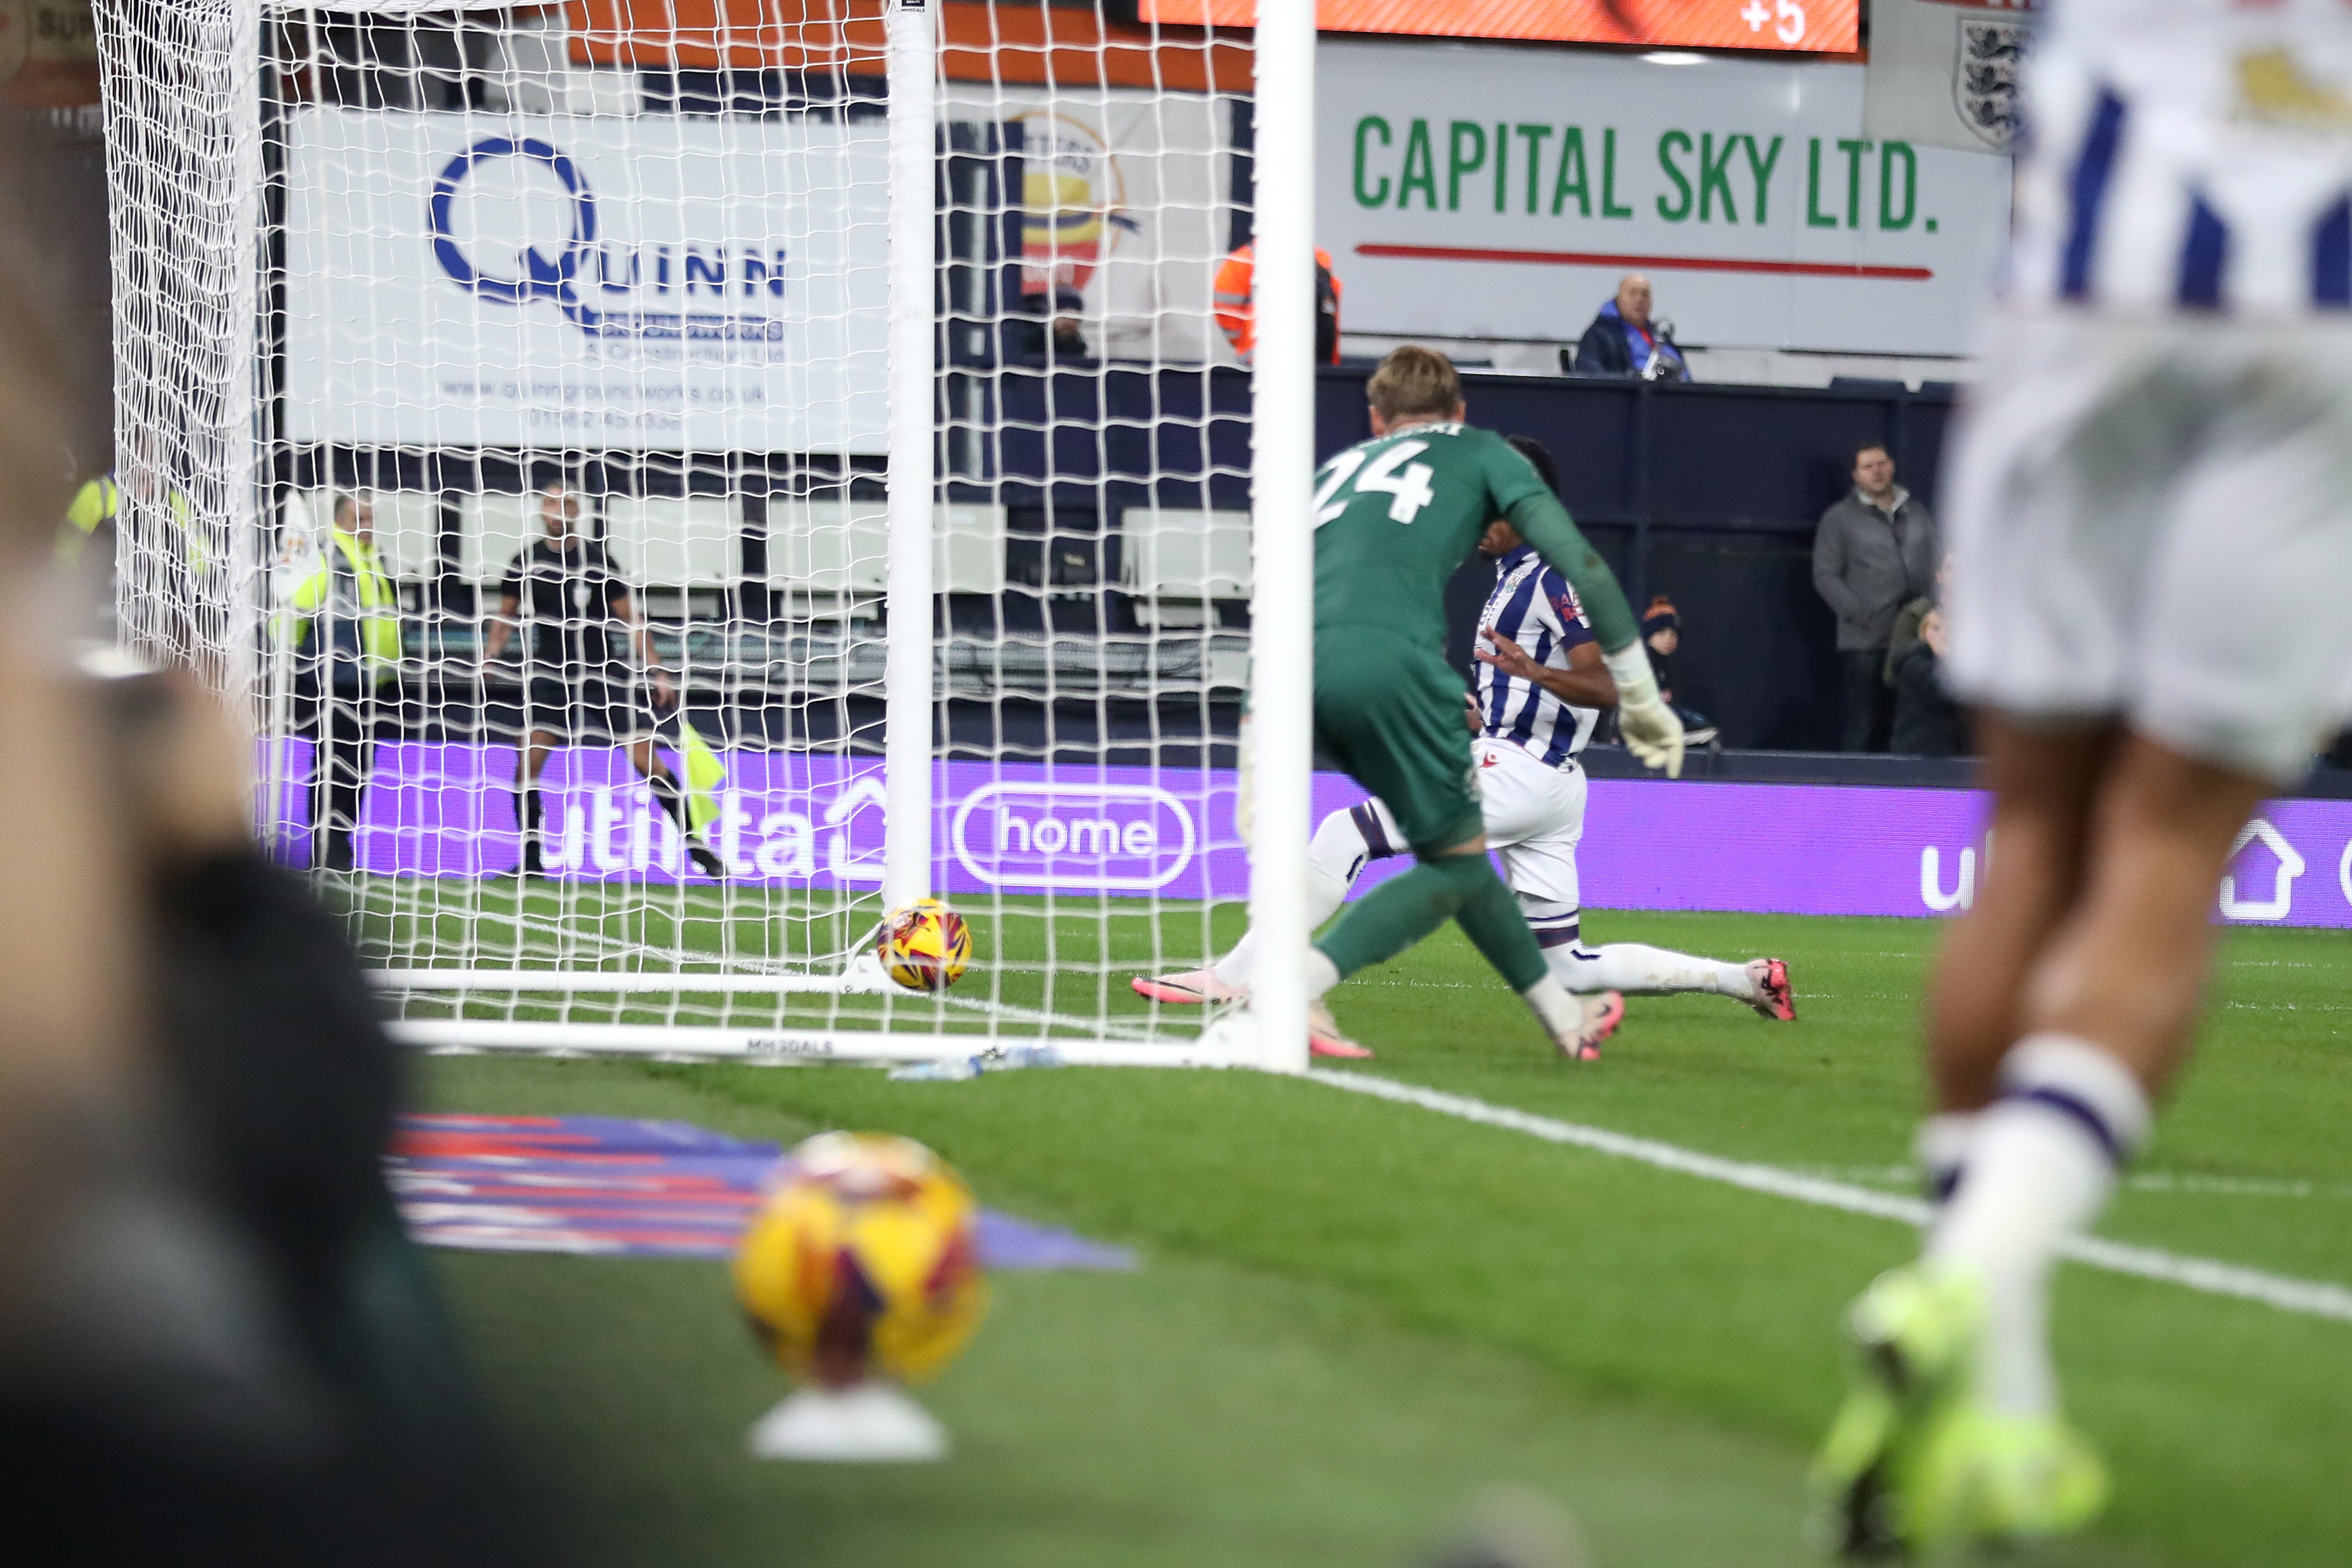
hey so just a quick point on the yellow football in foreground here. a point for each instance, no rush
(862, 1261)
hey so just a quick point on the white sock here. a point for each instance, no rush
(2042, 1165)
(1336, 856)
(1561, 1014)
(1623, 966)
(1941, 1148)
(1321, 974)
(1630, 967)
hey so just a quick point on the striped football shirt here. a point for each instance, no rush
(1534, 607)
(2188, 157)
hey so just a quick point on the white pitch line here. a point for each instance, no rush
(2309, 1298)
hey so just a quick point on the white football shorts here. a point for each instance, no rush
(1534, 817)
(2152, 520)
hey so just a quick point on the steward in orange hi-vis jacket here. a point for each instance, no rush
(1237, 309)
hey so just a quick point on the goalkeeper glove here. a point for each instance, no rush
(1651, 731)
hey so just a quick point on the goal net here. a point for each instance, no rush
(672, 483)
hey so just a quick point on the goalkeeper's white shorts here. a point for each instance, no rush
(2152, 522)
(1534, 817)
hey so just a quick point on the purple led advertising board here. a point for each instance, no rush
(803, 820)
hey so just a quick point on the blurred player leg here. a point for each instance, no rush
(1461, 885)
(2107, 1008)
(2042, 781)
(1344, 844)
(1535, 819)
(2162, 552)
(2107, 1021)
(1392, 716)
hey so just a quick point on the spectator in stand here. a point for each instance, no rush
(1905, 635)
(1623, 341)
(1235, 297)
(1875, 550)
(1661, 632)
(1927, 722)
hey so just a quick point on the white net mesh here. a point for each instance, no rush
(182, 159)
(588, 322)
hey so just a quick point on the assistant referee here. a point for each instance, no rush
(580, 684)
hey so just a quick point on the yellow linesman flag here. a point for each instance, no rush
(704, 774)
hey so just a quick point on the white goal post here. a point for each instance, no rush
(668, 494)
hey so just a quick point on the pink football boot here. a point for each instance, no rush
(1323, 1038)
(1775, 1000)
(1188, 989)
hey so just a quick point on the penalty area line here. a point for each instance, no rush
(2306, 1298)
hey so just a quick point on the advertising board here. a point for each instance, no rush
(1476, 192)
(788, 819)
(1127, 198)
(635, 282)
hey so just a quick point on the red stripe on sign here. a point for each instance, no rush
(1657, 263)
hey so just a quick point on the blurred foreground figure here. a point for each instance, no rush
(2151, 515)
(217, 1343)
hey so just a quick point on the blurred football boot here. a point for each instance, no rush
(1914, 1465)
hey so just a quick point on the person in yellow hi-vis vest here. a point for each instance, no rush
(94, 506)
(93, 521)
(347, 651)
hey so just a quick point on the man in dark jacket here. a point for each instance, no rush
(1623, 342)
(1875, 549)
(1927, 722)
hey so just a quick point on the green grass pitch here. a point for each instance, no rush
(1354, 1314)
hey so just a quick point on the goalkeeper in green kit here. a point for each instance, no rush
(1394, 516)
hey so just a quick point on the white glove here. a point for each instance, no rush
(1651, 731)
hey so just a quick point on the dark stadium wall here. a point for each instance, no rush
(1709, 495)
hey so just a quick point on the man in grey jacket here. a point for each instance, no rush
(1876, 551)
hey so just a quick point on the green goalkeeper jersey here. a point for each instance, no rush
(1395, 516)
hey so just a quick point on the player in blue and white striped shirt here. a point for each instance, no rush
(2148, 500)
(1540, 689)
(1533, 610)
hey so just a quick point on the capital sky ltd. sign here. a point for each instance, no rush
(790, 820)
(1472, 190)
(597, 280)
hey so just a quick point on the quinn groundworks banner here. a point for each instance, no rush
(697, 284)
(790, 821)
